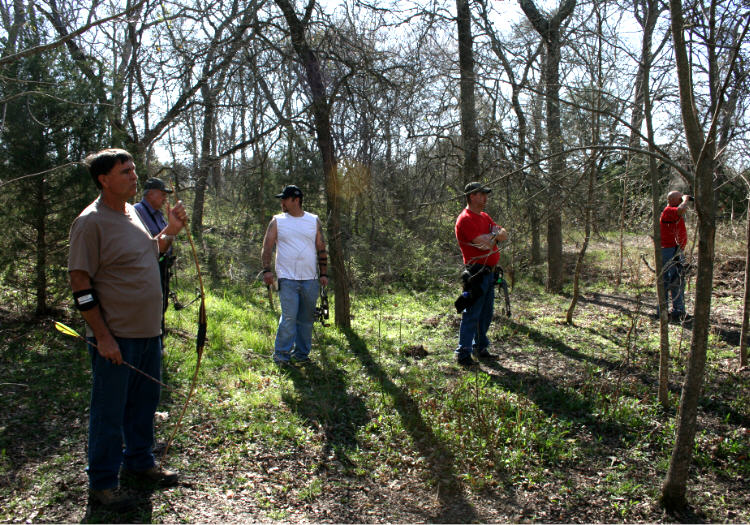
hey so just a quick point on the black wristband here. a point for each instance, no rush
(266, 270)
(85, 299)
(322, 275)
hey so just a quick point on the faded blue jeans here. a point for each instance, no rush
(123, 404)
(475, 321)
(674, 278)
(294, 336)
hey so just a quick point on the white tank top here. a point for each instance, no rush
(296, 256)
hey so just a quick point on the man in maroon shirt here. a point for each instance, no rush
(673, 242)
(477, 236)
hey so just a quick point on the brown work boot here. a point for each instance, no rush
(116, 499)
(156, 474)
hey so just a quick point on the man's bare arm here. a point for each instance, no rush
(269, 240)
(105, 341)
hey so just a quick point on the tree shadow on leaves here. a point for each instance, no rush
(566, 404)
(323, 398)
(727, 332)
(455, 508)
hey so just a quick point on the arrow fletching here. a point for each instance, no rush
(66, 330)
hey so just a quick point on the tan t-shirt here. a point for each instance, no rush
(121, 258)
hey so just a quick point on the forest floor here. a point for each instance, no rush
(383, 426)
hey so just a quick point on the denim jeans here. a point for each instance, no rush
(476, 319)
(123, 404)
(294, 336)
(674, 279)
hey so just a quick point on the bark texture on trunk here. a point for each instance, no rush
(469, 135)
(702, 151)
(549, 29)
(321, 110)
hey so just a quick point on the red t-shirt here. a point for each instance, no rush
(469, 226)
(673, 231)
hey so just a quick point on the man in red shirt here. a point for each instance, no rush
(673, 242)
(477, 236)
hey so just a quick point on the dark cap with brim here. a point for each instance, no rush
(289, 191)
(475, 187)
(156, 184)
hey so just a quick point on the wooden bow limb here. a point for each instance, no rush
(200, 342)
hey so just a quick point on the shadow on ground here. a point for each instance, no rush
(455, 507)
(323, 398)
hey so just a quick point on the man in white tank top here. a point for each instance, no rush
(300, 252)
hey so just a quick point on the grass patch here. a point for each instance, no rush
(563, 426)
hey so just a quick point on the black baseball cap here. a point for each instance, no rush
(474, 187)
(156, 184)
(289, 191)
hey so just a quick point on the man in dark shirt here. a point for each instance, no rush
(673, 242)
(149, 210)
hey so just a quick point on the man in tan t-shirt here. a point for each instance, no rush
(114, 274)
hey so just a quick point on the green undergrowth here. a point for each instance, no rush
(385, 399)
(567, 414)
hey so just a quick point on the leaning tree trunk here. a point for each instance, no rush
(586, 238)
(322, 117)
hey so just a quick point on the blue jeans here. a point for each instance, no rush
(476, 319)
(123, 404)
(294, 336)
(674, 279)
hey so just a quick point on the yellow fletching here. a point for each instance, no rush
(66, 329)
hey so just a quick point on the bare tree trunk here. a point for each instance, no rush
(469, 135)
(661, 293)
(703, 153)
(624, 201)
(40, 226)
(206, 162)
(321, 114)
(661, 297)
(549, 29)
(587, 236)
(746, 298)
(534, 219)
(519, 154)
(596, 80)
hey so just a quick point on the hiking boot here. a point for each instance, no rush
(116, 499)
(466, 361)
(483, 353)
(301, 360)
(156, 474)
